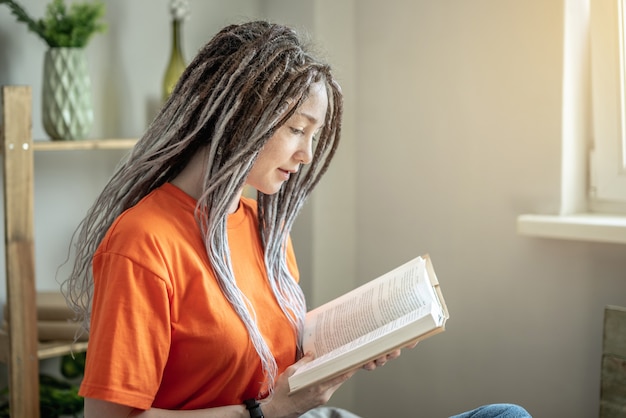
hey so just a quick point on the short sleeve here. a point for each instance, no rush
(130, 328)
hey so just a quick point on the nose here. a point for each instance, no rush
(305, 152)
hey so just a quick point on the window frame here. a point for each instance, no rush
(607, 159)
(581, 217)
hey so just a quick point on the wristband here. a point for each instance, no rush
(254, 408)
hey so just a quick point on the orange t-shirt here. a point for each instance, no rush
(162, 334)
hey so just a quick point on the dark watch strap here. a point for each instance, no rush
(254, 408)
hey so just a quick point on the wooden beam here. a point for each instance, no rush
(17, 151)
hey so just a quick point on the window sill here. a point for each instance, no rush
(580, 227)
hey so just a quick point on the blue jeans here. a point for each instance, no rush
(488, 411)
(498, 410)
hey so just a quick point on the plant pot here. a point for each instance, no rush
(67, 108)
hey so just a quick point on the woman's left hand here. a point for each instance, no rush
(380, 361)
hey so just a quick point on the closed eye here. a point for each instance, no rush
(297, 131)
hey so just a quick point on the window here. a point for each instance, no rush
(607, 162)
(593, 180)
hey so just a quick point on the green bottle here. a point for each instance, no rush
(176, 64)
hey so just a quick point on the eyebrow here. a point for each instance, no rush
(311, 118)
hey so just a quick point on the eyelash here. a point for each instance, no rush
(297, 131)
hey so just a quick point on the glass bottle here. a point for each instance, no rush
(176, 64)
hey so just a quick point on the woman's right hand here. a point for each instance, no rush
(283, 405)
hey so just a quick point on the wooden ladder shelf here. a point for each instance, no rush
(20, 348)
(20, 345)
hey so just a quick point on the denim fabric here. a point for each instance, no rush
(501, 410)
(328, 412)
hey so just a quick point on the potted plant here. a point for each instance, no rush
(66, 99)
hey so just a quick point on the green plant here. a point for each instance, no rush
(57, 397)
(63, 26)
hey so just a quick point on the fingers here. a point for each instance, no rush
(381, 361)
(369, 366)
(319, 394)
(412, 344)
(305, 359)
(325, 388)
(394, 354)
(334, 383)
(284, 403)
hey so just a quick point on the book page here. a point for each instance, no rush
(367, 309)
(425, 313)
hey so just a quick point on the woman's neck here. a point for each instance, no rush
(191, 179)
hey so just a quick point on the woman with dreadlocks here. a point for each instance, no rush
(188, 290)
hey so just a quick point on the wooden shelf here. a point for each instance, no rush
(19, 347)
(46, 349)
(50, 349)
(87, 144)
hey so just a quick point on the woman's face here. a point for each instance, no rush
(291, 145)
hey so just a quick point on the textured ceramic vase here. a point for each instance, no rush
(67, 108)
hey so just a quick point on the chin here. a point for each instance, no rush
(270, 190)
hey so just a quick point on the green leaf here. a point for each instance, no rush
(62, 26)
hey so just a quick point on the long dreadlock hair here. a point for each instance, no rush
(239, 89)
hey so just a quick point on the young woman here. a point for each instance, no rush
(190, 291)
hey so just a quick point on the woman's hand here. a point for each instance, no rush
(281, 404)
(380, 361)
(284, 405)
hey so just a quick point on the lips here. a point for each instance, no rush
(285, 174)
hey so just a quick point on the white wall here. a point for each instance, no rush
(458, 133)
(452, 129)
(126, 67)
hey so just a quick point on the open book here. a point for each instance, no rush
(389, 312)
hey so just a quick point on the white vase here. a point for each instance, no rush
(66, 103)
